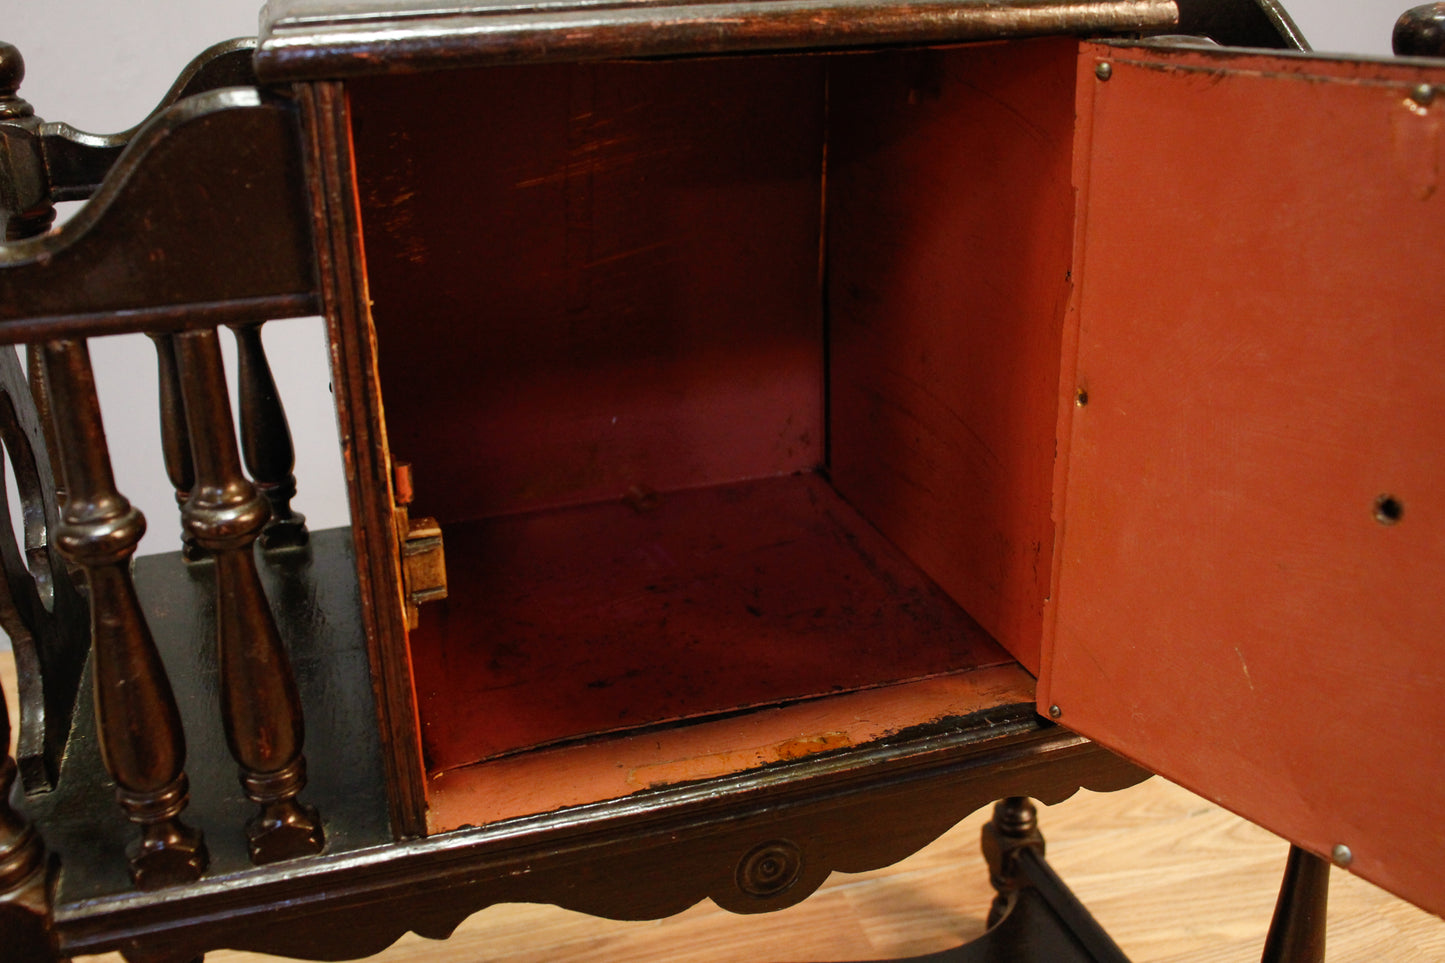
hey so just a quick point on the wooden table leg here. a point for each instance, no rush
(1297, 932)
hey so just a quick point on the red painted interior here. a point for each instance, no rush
(826, 318)
(600, 618)
(581, 772)
(589, 277)
(805, 309)
(950, 233)
(1260, 338)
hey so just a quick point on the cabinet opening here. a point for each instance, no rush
(733, 385)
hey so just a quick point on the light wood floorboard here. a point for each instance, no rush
(1170, 876)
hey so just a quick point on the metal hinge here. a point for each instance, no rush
(423, 560)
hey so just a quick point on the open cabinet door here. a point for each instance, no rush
(1249, 591)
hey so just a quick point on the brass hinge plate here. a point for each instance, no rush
(423, 559)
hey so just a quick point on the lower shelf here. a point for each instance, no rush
(313, 594)
(841, 779)
(586, 772)
(576, 622)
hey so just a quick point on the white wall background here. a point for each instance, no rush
(102, 65)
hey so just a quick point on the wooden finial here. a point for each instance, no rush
(1420, 32)
(12, 72)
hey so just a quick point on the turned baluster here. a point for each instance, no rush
(175, 439)
(20, 848)
(35, 376)
(23, 911)
(141, 742)
(266, 440)
(260, 709)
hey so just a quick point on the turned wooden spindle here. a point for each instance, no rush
(35, 376)
(21, 852)
(260, 709)
(175, 438)
(140, 735)
(266, 440)
(26, 209)
(23, 909)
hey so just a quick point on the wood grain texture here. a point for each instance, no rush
(333, 38)
(314, 596)
(341, 270)
(248, 257)
(1260, 371)
(950, 226)
(571, 775)
(604, 618)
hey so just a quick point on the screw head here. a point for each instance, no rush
(1423, 94)
(1341, 855)
(1055, 712)
(1103, 70)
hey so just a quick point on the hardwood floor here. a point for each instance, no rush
(1170, 876)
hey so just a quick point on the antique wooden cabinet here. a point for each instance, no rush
(838, 415)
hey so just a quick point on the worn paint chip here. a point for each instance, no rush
(733, 760)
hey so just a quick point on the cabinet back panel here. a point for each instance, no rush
(591, 277)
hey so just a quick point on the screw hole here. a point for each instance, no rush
(1081, 397)
(1388, 510)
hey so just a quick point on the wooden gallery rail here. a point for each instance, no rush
(80, 532)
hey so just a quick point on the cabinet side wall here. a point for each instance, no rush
(341, 264)
(950, 224)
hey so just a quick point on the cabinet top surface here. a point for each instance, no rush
(316, 39)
